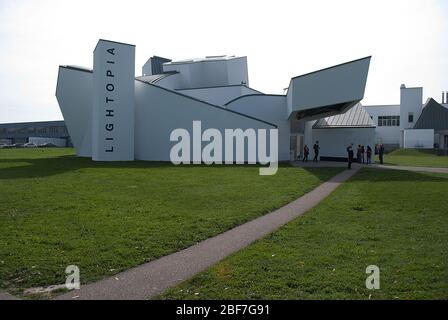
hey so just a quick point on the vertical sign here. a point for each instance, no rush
(113, 101)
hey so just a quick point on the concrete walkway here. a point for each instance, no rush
(156, 276)
(330, 164)
(322, 164)
(413, 169)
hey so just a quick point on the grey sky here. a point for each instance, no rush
(407, 38)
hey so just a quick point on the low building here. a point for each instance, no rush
(337, 132)
(435, 116)
(21, 132)
(396, 122)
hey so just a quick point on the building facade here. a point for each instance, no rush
(408, 124)
(143, 111)
(21, 132)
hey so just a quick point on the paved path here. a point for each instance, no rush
(328, 164)
(321, 164)
(156, 276)
(414, 169)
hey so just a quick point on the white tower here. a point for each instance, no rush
(113, 101)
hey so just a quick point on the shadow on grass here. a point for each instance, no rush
(26, 168)
(42, 167)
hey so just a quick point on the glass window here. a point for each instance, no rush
(388, 121)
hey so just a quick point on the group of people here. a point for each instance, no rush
(361, 152)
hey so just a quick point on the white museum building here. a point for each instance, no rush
(112, 115)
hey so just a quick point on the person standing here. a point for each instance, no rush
(363, 152)
(369, 155)
(350, 155)
(316, 151)
(306, 152)
(358, 154)
(381, 153)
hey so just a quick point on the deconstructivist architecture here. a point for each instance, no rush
(112, 115)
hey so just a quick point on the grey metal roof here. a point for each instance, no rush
(156, 77)
(355, 117)
(434, 116)
(34, 123)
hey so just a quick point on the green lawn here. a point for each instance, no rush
(57, 209)
(396, 220)
(415, 157)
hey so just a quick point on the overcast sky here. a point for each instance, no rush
(408, 40)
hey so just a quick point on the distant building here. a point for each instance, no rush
(21, 132)
(409, 124)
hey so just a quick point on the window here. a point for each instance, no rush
(411, 117)
(388, 121)
(53, 129)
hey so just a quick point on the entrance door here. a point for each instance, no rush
(445, 144)
(296, 146)
(293, 147)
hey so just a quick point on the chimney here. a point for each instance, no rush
(443, 96)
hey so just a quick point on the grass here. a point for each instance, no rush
(416, 158)
(57, 209)
(395, 220)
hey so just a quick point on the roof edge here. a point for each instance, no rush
(253, 94)
(207, 103)
(335, 66)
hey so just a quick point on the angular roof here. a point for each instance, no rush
(434, 116)
(355, 117)
(205, 59)
(156, 77)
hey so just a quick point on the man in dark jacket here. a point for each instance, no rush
(363, 151)
(369, 155)
(381, 153)
(316, 151)
(350, 155)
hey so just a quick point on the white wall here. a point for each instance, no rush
(418, 138)
(343, 83)
(160, 111)
(147, 68)
(385, 135)
(333, 142)
(271, 109)
(74, 93)
(210, 73)
(172, 81)
(237, 71)
(411, 100)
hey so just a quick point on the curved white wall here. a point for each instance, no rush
(269, 108)
(74, 93)
(219, 95)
